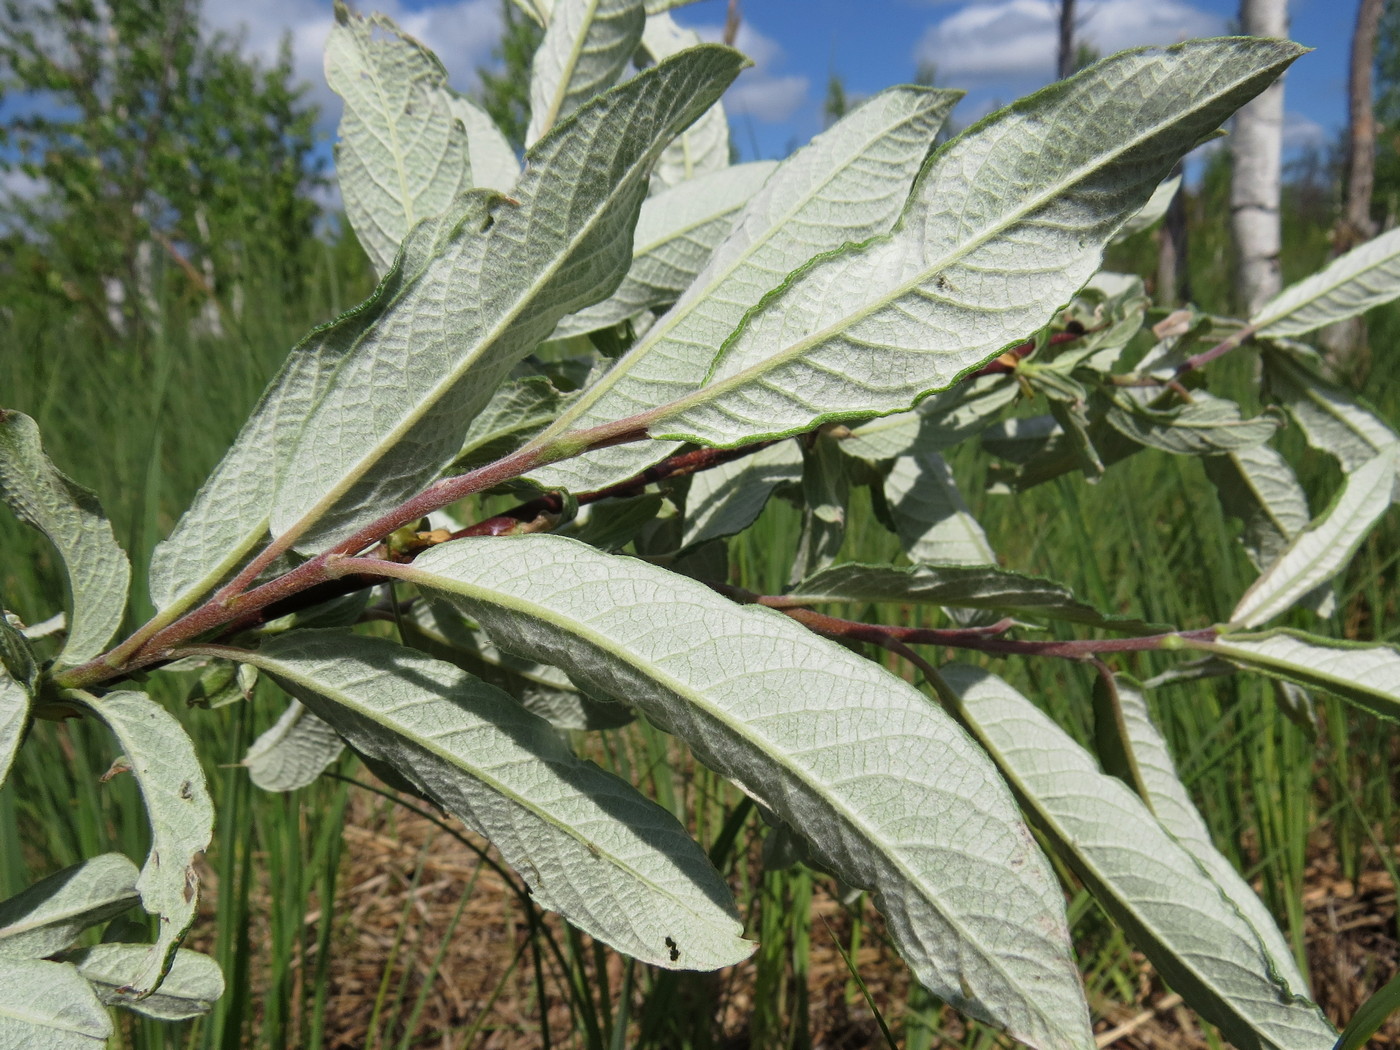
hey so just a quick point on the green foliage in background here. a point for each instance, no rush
(163, 162)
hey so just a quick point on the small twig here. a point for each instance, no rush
(1009, 359)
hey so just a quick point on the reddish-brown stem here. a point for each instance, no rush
(676, 466)
(1019, 352)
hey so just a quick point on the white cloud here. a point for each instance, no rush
(1017, 39)
(1300, 132)
(761, 92)
(460, 32)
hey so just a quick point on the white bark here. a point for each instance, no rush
(1257, 149)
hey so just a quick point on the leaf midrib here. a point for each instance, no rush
(662, 330)
(487, 339)
(717, 389)
(431, 745)
(567, 622)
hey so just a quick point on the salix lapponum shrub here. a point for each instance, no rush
(643, 342)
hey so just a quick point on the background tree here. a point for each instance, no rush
(156, 151)
(1347, 351)
(505, 92)
(1256, 149)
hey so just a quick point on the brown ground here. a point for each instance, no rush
(484, 997)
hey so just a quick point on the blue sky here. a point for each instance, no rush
(997, 50)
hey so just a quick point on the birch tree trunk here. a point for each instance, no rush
(1256, 148)
(1356, 224)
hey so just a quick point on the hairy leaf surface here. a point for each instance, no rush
(1006, 223)
(1323, 549)
(190, 989)
(70, 517)
(48, 1006)
(584, 50)
(414, 376)
(702, 148)
(1364, 277)
(892, 795)
(293, 752)
(1368, 675)
(1175, 912)
(848, 183)
(589, 844)
(1332, 420)
(934, 524)
(402, 155)
(939, 422)
(677, 231)
(1258, 486)
(161, 757)
(229, 516)
(1170, 803)
(15, 698)
(965, 586)
(47, 917)
(1205, 427)
(439, 630)
(727, 499)
(494, 165)
(1152, 212)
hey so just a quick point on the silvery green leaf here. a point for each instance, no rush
(1071, 412)
(940, 421)
(502, 274)
(826, 490)
(1020, 440)
(1166, 796)
(1150, 213)
(538, 10)
(1368, 675)
(728, 499)
(1364, 277)
(19, 681)
(402, 155)
(848, 183)
(589, 845)
(677, 231)
(703, 147)
(963, 586)
(1323, 549)
(229, 517)
(161, 757)
(494, 165)
(1175, 912)
(437, 629)
(15, 698)
(517, 411)
(190, 989)
(47, 917)
(1006, 223)
(892, 796)
(932, 521)
(293, 752)
(16, 654)
(1332, 420)
(48, 1006)
(584, 50)
(1257, 486)
(1207, 426)
(69, 516)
